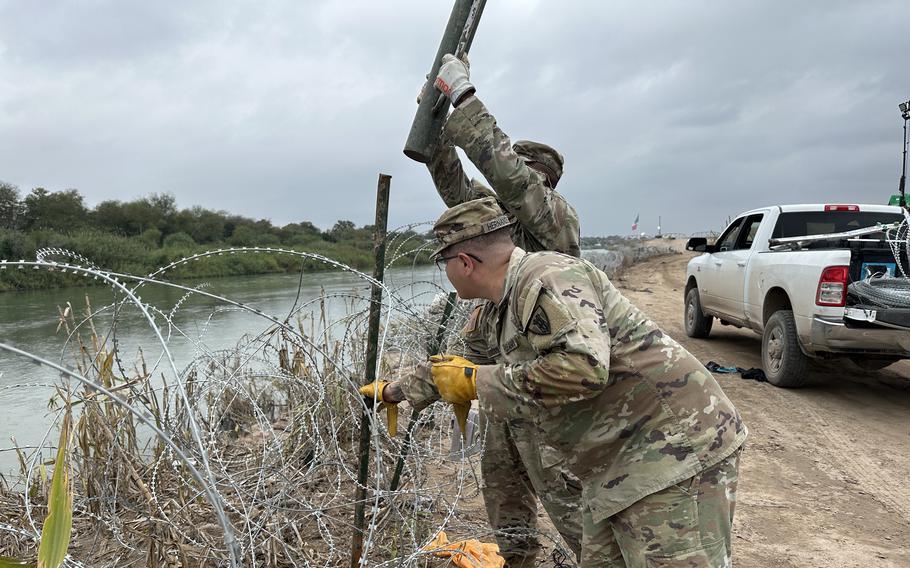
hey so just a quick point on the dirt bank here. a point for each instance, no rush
(825, 474)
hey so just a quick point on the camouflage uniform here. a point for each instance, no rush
(545, 220)
(515, 467)
(636, 417)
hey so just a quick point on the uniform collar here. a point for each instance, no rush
(514, 261)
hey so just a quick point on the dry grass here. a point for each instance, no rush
(278, 419)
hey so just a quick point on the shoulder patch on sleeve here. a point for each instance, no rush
(547, 317)
(540, 322)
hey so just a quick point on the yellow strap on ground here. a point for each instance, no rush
(466, 553)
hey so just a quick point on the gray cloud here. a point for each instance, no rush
(289, 110)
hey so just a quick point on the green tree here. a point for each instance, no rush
(208, 226)
(60, 210)
(152, 212)
(243, 236)
(343, 227)
(110, 216)
(164, 206)
(204, 225)
(139, 216)
(299, 233)
(341, 231)
(10, 206)
(135, 217)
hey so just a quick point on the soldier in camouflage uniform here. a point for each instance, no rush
(643, 425)
(523, 176)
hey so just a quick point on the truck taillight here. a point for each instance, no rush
(832, 286)
(841, 208)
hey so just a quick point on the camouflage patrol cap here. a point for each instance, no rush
(542, 154)
(468, 220)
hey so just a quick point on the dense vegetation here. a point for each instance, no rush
(139, 236)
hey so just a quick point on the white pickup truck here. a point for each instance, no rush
(794, 274)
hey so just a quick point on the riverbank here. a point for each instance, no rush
(135, 256)
(139, 257)
(141, 236)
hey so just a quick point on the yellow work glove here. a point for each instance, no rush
(373, 391)
(466, 553)
(456, 381)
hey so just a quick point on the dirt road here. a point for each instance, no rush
(825, 478)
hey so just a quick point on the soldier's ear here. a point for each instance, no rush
(465, 259)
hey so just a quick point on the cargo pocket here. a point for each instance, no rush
(553, 464)
(550, 457)
(688, 486)
(707, 555)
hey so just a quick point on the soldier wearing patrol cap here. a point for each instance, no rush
(517, 469)
(523, 176)
(635, 417)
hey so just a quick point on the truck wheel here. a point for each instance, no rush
(785, 363)
(697, 324)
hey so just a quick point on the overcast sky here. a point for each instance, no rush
(289, 110)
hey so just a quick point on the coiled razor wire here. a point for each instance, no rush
(880, 289)
(244, 456)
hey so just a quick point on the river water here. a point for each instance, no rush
(29, 322)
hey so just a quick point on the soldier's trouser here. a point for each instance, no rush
(516, 471)
(687, 525)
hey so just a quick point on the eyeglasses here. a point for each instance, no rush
(441, 261)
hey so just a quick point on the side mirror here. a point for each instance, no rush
(697, 244)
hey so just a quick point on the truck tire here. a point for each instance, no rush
(785, 363)
(697, 324)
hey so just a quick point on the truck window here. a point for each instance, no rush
(727, 240)
(749, 231)
(807, 223)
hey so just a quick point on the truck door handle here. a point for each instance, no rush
(741, 263)
(718, 263)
